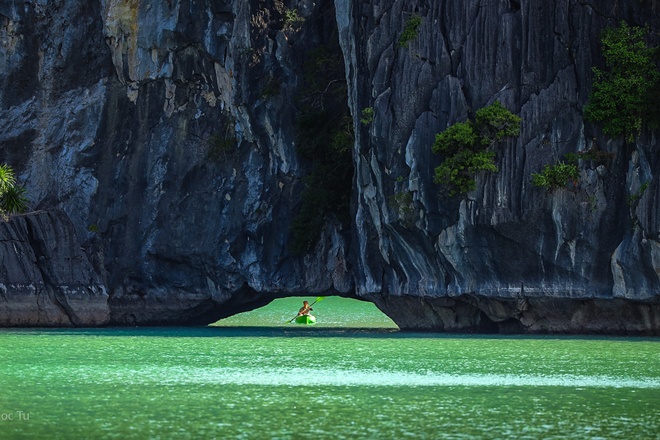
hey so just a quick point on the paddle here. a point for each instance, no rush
(317, 300)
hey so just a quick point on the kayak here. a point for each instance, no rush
(306, 320)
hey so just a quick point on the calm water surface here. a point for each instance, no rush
(353, 375)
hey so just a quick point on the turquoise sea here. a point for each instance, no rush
(352, 375)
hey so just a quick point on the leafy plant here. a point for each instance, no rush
(410, 30)
(494, 123)
(7, 179)
(292, 19)
(14, 200)
(624, 97)
(593, 154)
(12, 196)
(466, 147)
(367, 116)
(555, 176)
(402, 203)
(633, 199)
(459, 170)
(455, 138)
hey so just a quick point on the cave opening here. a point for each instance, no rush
(330, 312)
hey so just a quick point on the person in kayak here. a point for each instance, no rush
(305, 309)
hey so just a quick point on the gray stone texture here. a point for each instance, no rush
(578, 259)
(47, 280)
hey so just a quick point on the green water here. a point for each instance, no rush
(254, 377)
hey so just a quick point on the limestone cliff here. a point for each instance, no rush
(166, 131)
(47, 279)
(508, 255)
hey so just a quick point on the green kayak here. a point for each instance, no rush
(306, 320)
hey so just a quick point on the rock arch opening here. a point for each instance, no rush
(330, 312)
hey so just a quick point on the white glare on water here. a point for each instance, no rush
(316, 377)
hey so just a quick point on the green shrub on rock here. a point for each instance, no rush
(13, 200)
(367, 116)
(411, 30)
(555, 176)
(12, 196)
(466, 147)
(624, 97)
(7, 179)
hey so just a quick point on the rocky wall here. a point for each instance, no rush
(47, 279)
(419, 251)
(165, 130)
(166, 133)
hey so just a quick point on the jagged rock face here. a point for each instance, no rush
(452, 260)
(47, 279)
(166, 132)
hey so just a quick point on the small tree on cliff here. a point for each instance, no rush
(624, 97)
(12, 196)
(467, 147)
